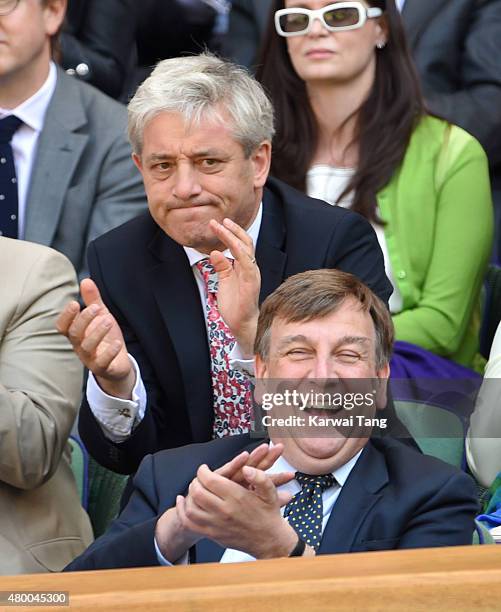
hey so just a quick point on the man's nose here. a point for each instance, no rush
(186, 182)
(324, 369)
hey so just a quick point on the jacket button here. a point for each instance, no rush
(82, 70)
(402, 274)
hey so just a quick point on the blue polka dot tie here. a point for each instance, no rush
(8, 180)
(305, 510)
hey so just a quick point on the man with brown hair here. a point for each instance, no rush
(66, 174)
(339, 493)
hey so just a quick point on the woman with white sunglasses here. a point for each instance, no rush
(352, 129)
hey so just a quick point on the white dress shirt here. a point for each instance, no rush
(118, 417)
(328, 183)
(24, 142)
(400, 4)
(329, 498)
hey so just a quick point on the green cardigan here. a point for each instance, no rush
(439, 216)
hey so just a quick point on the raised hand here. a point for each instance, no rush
(98, 341)
(239, 284)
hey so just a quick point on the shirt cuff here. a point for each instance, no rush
(117, 417)
(184, 560)
(239, 363)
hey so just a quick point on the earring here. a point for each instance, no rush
(381, 45)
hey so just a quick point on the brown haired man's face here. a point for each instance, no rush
(341, 345)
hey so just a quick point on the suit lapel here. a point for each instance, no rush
(58, 153)
(357, 497)
(417, 14)
(270, 256)
(178, 300)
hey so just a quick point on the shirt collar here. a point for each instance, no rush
(340, 475)
(195, 256)
(32, 111)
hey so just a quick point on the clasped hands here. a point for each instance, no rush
(237, 506)
(98, 340)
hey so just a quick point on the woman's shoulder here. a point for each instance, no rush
(435, 133)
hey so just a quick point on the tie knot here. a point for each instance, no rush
(209, 275)
(310, 483)
(8, 127)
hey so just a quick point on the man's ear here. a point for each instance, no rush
(260, 367)
(137, 160)
(382, 387)
(54, 13)
(261, 160)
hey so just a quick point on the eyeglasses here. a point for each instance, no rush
(335, 18)
(7, 6)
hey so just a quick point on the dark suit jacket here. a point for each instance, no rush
(147, 283)
(101, 35)
(455, 44)
(394, 498)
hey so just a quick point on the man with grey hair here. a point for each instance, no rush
(157, 331)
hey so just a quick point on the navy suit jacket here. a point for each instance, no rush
(147, 283)
(394, 498)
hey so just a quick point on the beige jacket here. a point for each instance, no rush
(42, 525)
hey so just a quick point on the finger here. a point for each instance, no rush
(242, 252)
(203, 498)
(284, 497)
(280, 479)
(92, 340)
(103, 360)
(239, 232)
(67, 317)
(271, 456)
(90, 293)
(232, 467)
(261, 484)
(218, 485)
(222, 265)
(78, 328)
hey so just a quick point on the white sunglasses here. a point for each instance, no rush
(335, 18)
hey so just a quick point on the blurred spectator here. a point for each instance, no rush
(42, 524)
(456, 46)
(98, 42)
(169, 29)
(68, 175)
(483, 443)
(352, 130)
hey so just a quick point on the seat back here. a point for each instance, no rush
(438, 432)
(105, 491)
(79, 466)
(491, 316)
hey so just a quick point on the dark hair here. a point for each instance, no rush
(385, 121)
(316, 294)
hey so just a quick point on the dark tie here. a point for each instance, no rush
(231, 388)
(8, 180)
(305, 510)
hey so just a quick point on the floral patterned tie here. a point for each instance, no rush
(232, 394)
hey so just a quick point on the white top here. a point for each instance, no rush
(400, 4)
(24, 142)
(117, 417)
(329, 498)
(483, 442)
(328, 183)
